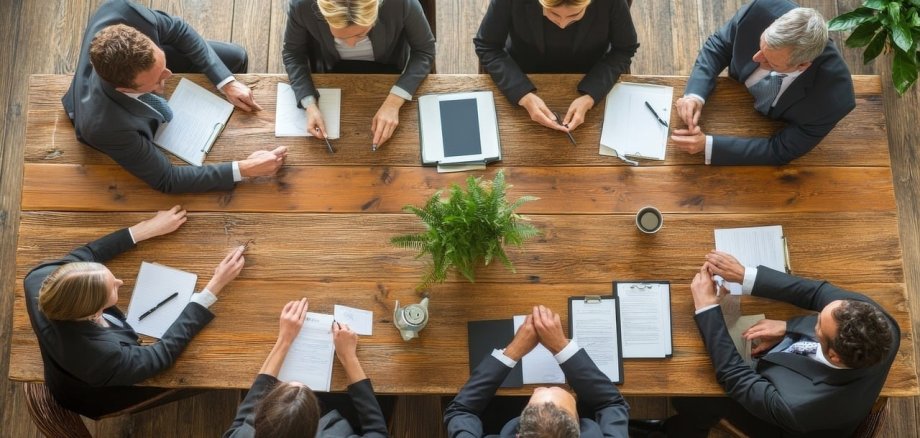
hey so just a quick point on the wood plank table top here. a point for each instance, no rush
(321, 228)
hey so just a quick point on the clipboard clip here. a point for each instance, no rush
(215, 131)
(641, 286)
(592, 299)
(786, 255)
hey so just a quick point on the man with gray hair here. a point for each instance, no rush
(782, 54)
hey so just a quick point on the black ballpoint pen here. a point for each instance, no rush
(328, 145)
(649, 106)
(147, 313)
(559, 121)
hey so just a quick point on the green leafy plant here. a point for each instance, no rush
(886, 26)
(468, 227)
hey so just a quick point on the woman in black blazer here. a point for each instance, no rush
(595, 37)
(91, 354)
(357, 36)
(291, 409)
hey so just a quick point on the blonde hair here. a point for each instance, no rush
(343, 13)
(570, 3)
(74, 291)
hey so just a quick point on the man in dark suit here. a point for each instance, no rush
(128, 53)
(550, 411)
(821, 373)
(781, 53)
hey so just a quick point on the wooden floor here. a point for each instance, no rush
(42, 36)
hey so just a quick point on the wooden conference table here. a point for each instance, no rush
(321, 229)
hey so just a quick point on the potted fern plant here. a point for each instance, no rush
(467, 228)
(886, 26)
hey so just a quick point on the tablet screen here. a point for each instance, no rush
(460, 127)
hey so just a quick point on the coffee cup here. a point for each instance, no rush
(649, 220)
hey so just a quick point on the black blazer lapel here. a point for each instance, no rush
(796, 91)
(534, 16)
(131, 105)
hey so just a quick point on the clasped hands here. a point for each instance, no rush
(690, 139)
(543, 326)
(541, 114)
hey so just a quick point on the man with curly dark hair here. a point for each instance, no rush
(817, 375)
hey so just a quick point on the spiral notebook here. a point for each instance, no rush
(199, 116)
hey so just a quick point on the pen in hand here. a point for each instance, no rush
(160, 304)
(569, 134)
(326, 137)
(654, 113)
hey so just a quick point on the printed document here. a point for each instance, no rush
(645, 315)
(198, 118)
(361, 321)
(630, 129)
(309, 360)
(538, 366)
(753, 246)
(156, 282)
(594, 327)
(291, 121)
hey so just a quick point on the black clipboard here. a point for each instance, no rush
(670, 314)
(485, 336)
(616, 308)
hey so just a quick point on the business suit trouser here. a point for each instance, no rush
(232, 55)
(696, 415)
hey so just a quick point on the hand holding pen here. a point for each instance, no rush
(567, 132)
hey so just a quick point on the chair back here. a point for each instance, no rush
(51, 418)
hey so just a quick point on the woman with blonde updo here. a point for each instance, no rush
(594, 37)
(357, 36)
(91, 354)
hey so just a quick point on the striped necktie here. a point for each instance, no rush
(765, 92)
(157, 103)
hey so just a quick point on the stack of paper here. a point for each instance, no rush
(631, 129)
(594, 324)
(155, 283)
(645, 316)
(309, 361)
(291, 121)
(752, 247)
(458, 131)
(198, 118)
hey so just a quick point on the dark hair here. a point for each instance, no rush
(118, 53)
(863, 334)
(287, 411)
(547, 421)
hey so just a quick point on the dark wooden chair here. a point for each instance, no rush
(870, 427)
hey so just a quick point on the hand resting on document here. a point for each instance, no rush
(346, 350)
(764, 335)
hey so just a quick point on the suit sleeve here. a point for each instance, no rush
(245, 414)
(175, 32)
(800, 292)
(143, 159)
(128, 364)
(421, 47)
(295, 52)
(714, 56)
(744, 385)
(462, 414)
(623, 44)
(490, 47)
(597, 394)
(370, 416)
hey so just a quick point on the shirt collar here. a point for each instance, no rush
(819, 356)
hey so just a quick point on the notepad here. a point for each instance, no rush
(594, 324)
(154, 283)
(630, 129)
(645, 318)
(309, 361)
(736, 328)
(359, 320)
(291, 121)
(199, 116)
(754, 246)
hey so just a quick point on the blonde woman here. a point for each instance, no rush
(595, 37)
(91, 355)
(357, 36)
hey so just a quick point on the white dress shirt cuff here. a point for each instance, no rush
(205, 298)
(703, 309)
(500, 355)
(567, 352)
(747, 285)
(697, 97)
(130, 233)
(220, 85)
(307, 101)
(401, 93)
(237, 176)
(708, 149)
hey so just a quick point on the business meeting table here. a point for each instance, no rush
(320, 229)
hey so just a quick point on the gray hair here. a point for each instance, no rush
(547, 421)
(801, 29)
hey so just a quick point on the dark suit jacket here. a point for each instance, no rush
(794, 392)
(331, 425)
(401, 37)
(88, 368)
(510, 41)
(122, 127)
(811, 106)
(596, 395)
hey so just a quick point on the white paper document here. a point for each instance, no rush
(361, 321)
(309, 361)
(737, 328)
(753, 246)
(155, 283)
(594, 327)
(631, 129)
(645, 316)
(538, 366)
(291, 121)
(199, 116)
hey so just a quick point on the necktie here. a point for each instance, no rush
(765, 91)
(803, 347)
(157, 103)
